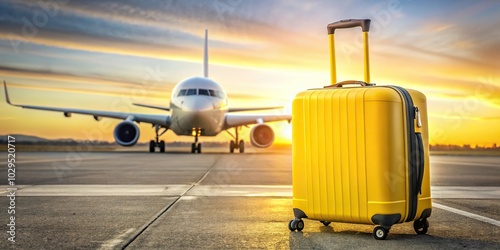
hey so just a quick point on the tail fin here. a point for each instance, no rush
(205, 55)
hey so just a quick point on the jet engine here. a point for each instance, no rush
(262, 136)
(126, 133)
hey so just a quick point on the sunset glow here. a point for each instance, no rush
(106, 55)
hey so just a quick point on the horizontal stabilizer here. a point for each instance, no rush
(235, 120)
(252, 109)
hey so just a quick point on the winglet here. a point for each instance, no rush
(205, 55)
(7, 94)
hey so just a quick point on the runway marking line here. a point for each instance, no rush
(466, 163)
(195, 189)
(467, 214)
(52, 160)
(165, 209)
(465, 192)
(112, 243)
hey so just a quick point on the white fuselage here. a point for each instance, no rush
(198, 104)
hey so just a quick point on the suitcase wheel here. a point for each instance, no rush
(296, 225)
(326, 223)
(380, 233)
(421, 226)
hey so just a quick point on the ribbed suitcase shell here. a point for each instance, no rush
(350, 154)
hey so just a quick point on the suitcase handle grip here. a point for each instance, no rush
(341, 84)
(349, 23)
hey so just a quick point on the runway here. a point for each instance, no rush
(136, 200)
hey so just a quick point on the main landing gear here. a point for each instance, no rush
(235, 144)
(153, 144)
(196, 147)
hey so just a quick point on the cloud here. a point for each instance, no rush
(7, 118)
(496, 118)
(171, 32)
(67, 77)
(54, 81)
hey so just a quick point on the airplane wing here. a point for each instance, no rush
(252, 109)
(162, 120)
(234, 120)
(152, 106)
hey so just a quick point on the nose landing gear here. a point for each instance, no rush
(196, 147)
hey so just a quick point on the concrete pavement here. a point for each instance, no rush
(110, 200)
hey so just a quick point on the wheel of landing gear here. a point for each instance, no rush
(198, 149)
(326, 223)
(421, 226)
(300, 225)
(151, 146)
(380, 233)
(162, 146)
(292, 225)
(242, 146)
(193, 148)
(231, 147)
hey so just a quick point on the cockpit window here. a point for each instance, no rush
(213, 93)
(203, 92)
(191, 92)
(182, 92)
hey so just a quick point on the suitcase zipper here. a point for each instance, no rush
(417, 115)
(412, 113)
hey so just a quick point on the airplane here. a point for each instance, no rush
(198, 107)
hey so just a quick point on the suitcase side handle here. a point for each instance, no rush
(341, 84)
(420, 162)
(349, 23)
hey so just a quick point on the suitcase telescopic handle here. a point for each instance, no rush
(349, 23)
(344, 24)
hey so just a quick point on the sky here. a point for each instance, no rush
(105, 55)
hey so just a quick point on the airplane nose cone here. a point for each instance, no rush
(197, 105)
(197, 112)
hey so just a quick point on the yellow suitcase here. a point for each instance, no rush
(360, 154)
